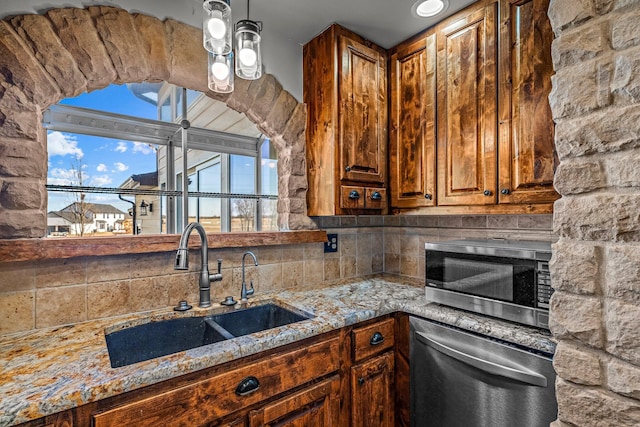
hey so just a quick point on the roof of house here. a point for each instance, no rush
(95, 208)
(149, 179)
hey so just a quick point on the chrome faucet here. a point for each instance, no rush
(182, 262)
(244, 292)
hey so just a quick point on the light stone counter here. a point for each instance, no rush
(47, 371)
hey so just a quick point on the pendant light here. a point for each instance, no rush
(220, 72)
(216, 26)
(248, 57)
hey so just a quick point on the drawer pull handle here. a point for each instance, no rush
(247, 386)
(376, 195)
(354, 195)
(376, 338)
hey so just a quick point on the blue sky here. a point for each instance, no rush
(104, 162)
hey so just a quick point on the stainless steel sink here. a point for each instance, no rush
(160, 338)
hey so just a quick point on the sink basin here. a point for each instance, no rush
(155, 339)
(256, 319)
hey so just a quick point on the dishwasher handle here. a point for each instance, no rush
(531, 378)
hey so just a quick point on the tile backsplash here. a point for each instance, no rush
(49, 293)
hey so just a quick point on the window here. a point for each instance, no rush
(108, 151)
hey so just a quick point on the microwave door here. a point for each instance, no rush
(486, 279)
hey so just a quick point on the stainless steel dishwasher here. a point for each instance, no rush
(461, 379)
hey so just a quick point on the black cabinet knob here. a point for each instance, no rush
(348, 169)
(247, 386)
(487, 192)
(361, 381)
(428, 196)
(376, 338)
(354, 195)
(505, 191)
(376, 195)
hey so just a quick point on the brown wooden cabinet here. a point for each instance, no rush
(412, 133)
(372, 378)
(221, 399)
(345, 89)
(495, 137)
(317, 405)
(467, 104)
(526, 128)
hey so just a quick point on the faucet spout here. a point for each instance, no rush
(182, 262)
(245, 292)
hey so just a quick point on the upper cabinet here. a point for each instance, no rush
(345, 89)
(470, 123)
(467, 104)
(526, 129)
(412, 117)
(470, 127)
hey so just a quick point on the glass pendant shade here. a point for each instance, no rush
(220, 72)
(217, 27)
(248, 58)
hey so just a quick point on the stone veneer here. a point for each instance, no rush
(595, 270)
(64, 52)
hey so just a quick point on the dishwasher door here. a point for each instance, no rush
(460, 379)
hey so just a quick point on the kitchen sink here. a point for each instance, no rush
(163, 337)
(256, 319)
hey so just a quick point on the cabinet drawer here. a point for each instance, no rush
(372, 339)
(375, 198)
(215, 397)
(352, 197)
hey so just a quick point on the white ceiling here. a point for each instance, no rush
(385, 22)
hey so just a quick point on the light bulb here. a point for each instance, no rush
(216, 25)
(220, 70)
(247, 55)
(430, 8)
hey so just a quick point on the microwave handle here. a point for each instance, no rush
(484, 365)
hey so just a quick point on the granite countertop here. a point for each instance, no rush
(46, 371)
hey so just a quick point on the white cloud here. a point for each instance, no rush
(122, 147)
(144, 148)
(60, 144)
(101, 167)
(60, 176)
(101, 181)
(120, 167)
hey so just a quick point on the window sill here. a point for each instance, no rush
(69, 247)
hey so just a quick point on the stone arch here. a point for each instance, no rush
(66, 51)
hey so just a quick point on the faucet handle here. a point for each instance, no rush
(219, 265)
(250, 291)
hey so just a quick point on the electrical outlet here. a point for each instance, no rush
(332, 244)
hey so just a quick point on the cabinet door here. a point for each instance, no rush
(362, 113)
(412, 139)
(526, 126)
(467, 108)
(315, 406)
(372, 403)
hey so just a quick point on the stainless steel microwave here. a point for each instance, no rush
(506, 279)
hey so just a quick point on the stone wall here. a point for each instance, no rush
(64, 52)
(595, 270)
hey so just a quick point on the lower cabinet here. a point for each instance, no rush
(372, 400)
(342, 378)
(317, 405)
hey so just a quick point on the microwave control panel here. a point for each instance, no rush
(544, 290)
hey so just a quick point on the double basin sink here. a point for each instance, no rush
(160, 338)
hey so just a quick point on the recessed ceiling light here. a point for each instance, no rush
(426, 8)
